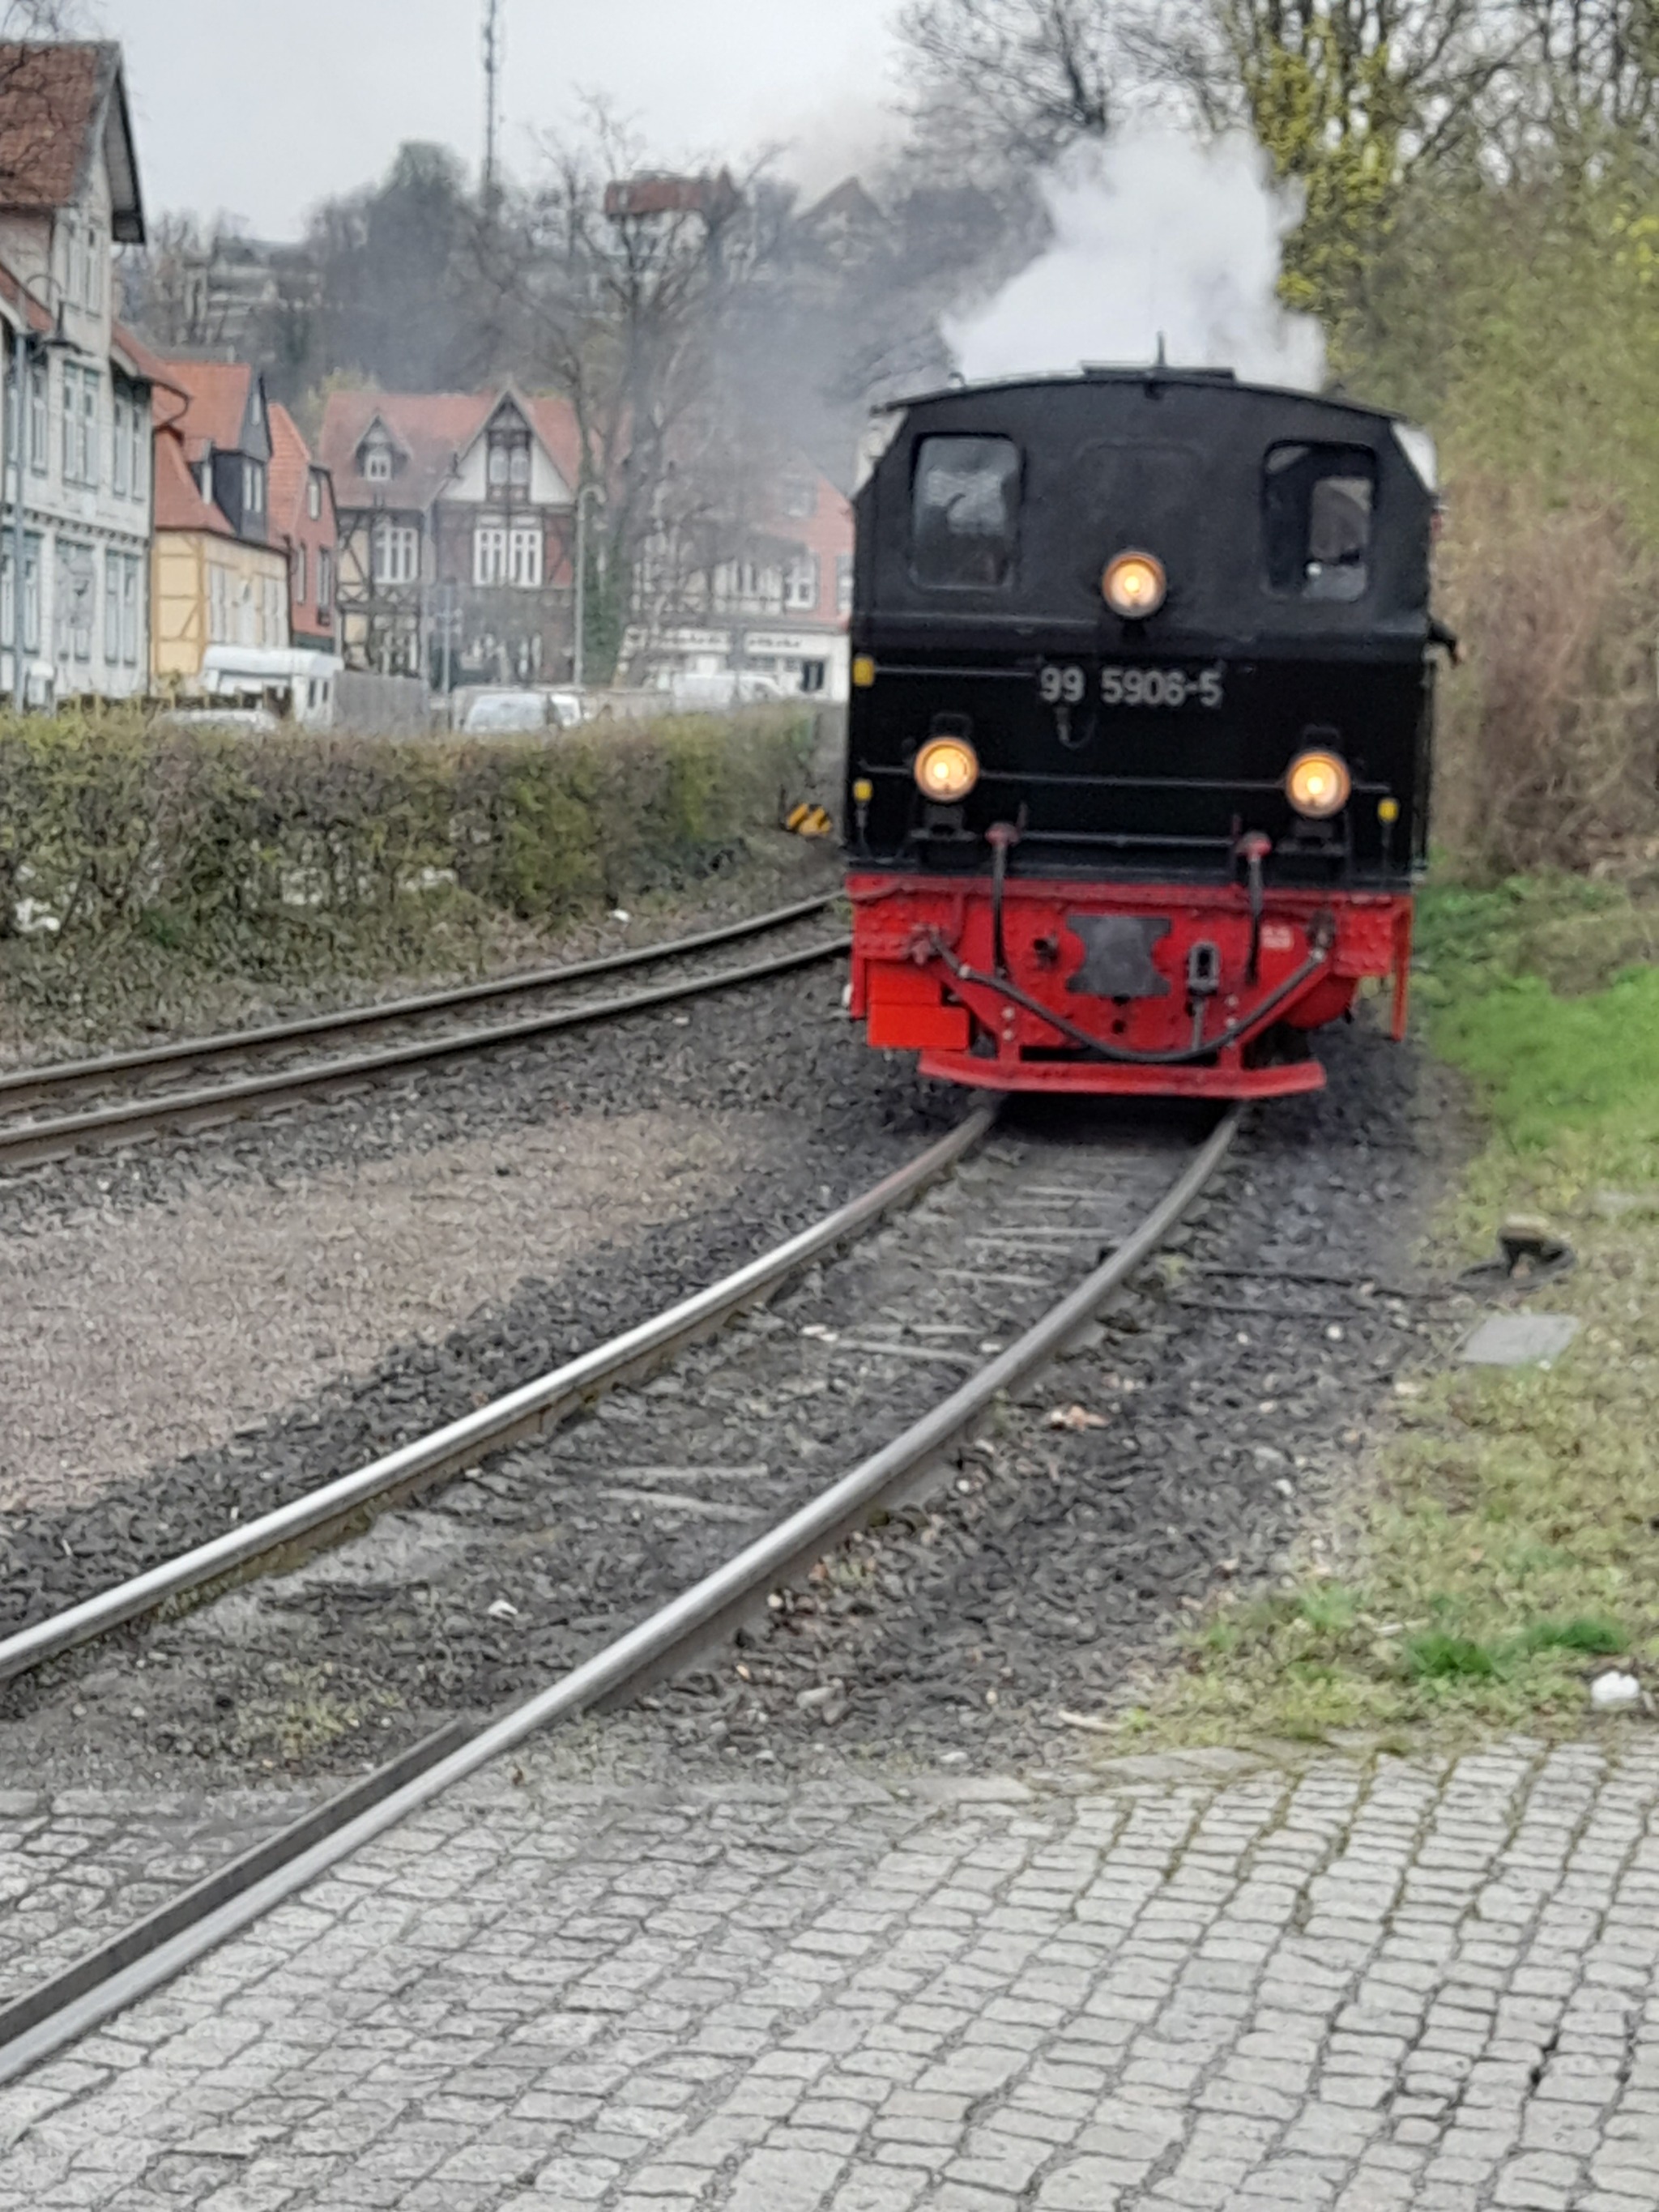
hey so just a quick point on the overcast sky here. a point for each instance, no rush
(260, 111)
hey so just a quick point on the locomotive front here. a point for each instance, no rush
(1138, 746)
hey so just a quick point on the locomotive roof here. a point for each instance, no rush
(1149, 373)
(1191, 464)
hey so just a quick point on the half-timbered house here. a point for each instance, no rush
(455, 533)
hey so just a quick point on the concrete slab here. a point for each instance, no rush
(1518, 1340)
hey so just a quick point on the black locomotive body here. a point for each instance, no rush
(1141, 726)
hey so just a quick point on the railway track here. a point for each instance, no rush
(46, 1112)
(1038, 1249)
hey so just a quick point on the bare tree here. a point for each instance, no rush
(616, 278)
(1591, 67)
(1009, 82)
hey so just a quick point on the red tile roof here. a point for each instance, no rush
(290, 469)
(179, 502)
(431, 428)
(218, 404)
(56, 102)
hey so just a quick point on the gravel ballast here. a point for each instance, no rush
(1177, 1451)
(802, 1117)
(137, 1338)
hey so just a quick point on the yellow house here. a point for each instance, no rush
(210, 585)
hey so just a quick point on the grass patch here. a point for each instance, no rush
(1509, 1546)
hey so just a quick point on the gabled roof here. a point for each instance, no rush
(219, 394)
(59, 104)
(179, 501)
(290, 471)
(847, 203)
(432, 429)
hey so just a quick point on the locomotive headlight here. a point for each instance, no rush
(1133, 585)
(946, 768)
(1318, 785)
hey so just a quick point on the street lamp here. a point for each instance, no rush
(588, 491)
(27, 343)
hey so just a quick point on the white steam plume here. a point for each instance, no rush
(1153, 233)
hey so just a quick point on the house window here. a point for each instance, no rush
(253, 488)
(273, 630)
(324, 583)
(113, 563)
(524, 556)
(396, 553)
(31, 593)
(313, 497)
(800, 583)
(489, 554)
(248, 631)
(298, 585)
(799, 497)
(509, 461)
(80, 425)
(843, 583)
(76, 601)
(39, 416)
(120, 468)
(377, 463)
(70, 423)
(140, 450)
(92, 387)
(93, 295)
(129, 606)
(218, 604)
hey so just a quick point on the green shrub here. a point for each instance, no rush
(110, 825)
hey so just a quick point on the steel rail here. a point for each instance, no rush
(533, 1406)
(50, 1140)
(74, 1073)
(128, 1968)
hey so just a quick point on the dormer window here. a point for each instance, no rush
(253, 488)
(377, 463)
(313, 497)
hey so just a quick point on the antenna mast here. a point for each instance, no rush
(492, 59)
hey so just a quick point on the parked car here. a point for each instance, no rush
(724, 687)
(496, 714)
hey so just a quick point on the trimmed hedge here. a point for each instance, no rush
(109, 823)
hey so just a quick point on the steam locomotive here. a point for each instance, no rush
(1142, 710)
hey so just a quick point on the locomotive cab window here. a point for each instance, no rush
(1317, 504)
(964, 512)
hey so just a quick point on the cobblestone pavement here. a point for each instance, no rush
(77, 1866)
(1193, 1984)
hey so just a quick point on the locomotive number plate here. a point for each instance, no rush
(1131, 684)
